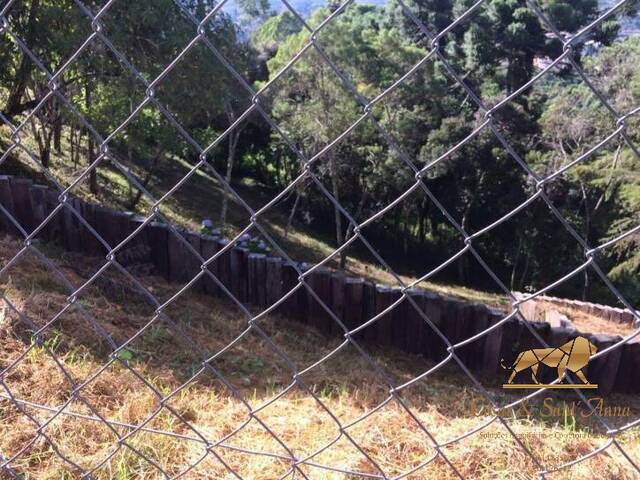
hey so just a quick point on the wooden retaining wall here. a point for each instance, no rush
(536, 310)
(330, 300)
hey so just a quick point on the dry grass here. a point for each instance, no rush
(590, 323)
(201, 198)
(446, 402)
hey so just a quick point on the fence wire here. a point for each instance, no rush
(213, 446)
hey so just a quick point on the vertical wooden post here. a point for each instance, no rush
(353, 303)
(90, 243)
(256, 282)
(385, 325)
(493, 342)
(415, 324)
(140, 241)
(72, 227)
(208, 248)
(6, 200)
(628, 377)
(180, 258)
(238, 263)
(37, 194)
(320, 283)
(54, 226)
(436, 349)
(23, 211)
(273, 274)
(509, 347)
(478, 322)
(159, 243)
(603, 370)
(368, 310)
(338, 281)
(290, 307)
(224, 268)
(195, 265)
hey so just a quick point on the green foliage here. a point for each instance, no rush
(268, 36)
(124, 354)
(427, 114)
(572, 122)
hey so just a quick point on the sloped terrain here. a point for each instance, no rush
(210, 402)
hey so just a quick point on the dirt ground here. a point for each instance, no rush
(195, 392)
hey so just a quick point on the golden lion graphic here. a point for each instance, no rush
(573, 355)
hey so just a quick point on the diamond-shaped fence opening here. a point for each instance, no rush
(225, 225)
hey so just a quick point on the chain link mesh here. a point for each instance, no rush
(213, 446)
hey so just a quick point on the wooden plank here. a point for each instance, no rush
(261, 276)
(6, 200)
(320, 283)
(71, 226)
(509, 348)
(252, 280)
(415, 325)
(368, 310)
(257, 282)
(158, 235)
(433, 310)
(478, 322)
(493, 343)
(628, 377)
(294, 307)
(223, 264)
(141, 240)
(451, 318)
(604, 369)
(208, 248)
(338, 280)
(54, 225)
(112, 226)
(37, 194)
(194, 263)
(180, 263)
(90, 242)
(353, 302)
(273, 287)
(22, 209)
(384, 325)
(464, 329)
(238, 263)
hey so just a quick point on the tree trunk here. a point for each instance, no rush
(72, 144)
(336, 195)
(43, 139)
(291, 215)
(405, 235)
(587, 234)
(135, 199)
(93, 174)
(349, 232)
(57, 132)
(45, 156)
(512, 280)
(13, 106)
(233, 143)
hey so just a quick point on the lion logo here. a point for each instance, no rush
(573, 355)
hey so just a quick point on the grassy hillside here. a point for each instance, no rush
(446, 402)
(201, 196)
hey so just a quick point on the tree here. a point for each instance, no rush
(603, 190)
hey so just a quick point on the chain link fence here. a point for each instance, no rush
(254, 320)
